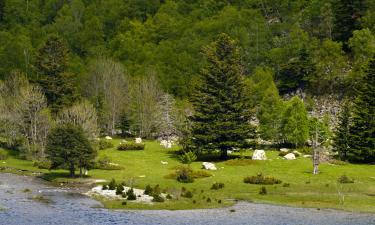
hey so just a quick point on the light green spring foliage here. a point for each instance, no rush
(295, 123)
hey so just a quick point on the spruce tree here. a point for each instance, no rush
(362, 129)
(52, 66)
(221, 108)
(341, 138)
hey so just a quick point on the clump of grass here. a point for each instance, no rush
(26, 190)
(185, 174)
(337, 162)
(240, 162)
(124, 203)
(260, 179)
(219, 201)
(187, 194)
(41, 198)
(104, 144)
(232, 210)
(208, 200)
(158, 198)
(217, 186)
(130, 146)
(286, 185)
(3, 154)
(263, 191)
(345, 180)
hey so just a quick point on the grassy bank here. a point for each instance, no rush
(141, 168)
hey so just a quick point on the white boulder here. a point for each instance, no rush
(259, 155)
(108, 138)
(164, 162)
(307, 156)
(208, 166)
(169, 144)
(297, 153)
(290, 156)
(284, 150)
(138, 140)
(163, 143)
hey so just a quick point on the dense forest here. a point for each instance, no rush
(131, 67)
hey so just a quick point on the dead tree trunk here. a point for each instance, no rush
(316, 152)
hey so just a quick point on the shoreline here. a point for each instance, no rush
(83, 187)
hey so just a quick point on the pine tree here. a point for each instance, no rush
(221, 117)
(341, 138)
(52, 65)
(362, 129)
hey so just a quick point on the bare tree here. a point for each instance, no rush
(81, 114)
(167, 117)
(108, 88)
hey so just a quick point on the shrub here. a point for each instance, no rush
(219, 201)
(345, 180)
(43, 164)
(157, 198)
(130, 146)
(260, 179)
(119, 189)
(104, 144)
(217, 186)
(148, 190)
(3, 154)
(131, 195)
(168, 196)
(200, 174)
(263, 191)
(105, 187)
(112, 185)
(286, 185)
(187, 194)
(337, 162)
(188, 157)
(105, 163)
(123, 203)
(208, 200)
(185, 175)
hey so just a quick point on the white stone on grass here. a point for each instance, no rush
(284, 150)
(208, 166)
(290, 156)
(307, 156)
(259, 155)
(164, 162)
(138, 140)
(108, 138)
(111, 194)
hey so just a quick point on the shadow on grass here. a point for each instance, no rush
(60, 176)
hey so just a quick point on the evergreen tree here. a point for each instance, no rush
(221, 117)
(341, 138)
(362, 129)
(67, 147)
(52, 65)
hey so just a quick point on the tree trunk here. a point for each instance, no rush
(72, 170)
(224, 154)
(80, 171)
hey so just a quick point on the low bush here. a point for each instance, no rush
(282, 154)
(185, 175)
(3, 154)
(105, 163)
(286, 185)
(123, 203)
(112, 185)
(200, 174)
(260, 179)
(219, 201)
(119, 189)
(130, 146)
(105, 187)
(208, 200)
(345, 180)
(148, 190)
(168, 196)
(104, 144)
(217, 186)
(337, 162)
(187, 194)
(130, 194)
(188, 157)
(158, 198)
(263, 191)
(43, 164)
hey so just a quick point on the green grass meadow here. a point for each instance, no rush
(305, 189)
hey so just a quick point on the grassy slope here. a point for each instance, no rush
(305, 189)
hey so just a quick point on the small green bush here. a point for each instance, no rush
(105, 187)
(158, 198)
(119, 189)
(168, 196)
(263, 191)
(148, 190)
(219, 201)
(188, 157)
(112, 185)
(260, 179)
(124, 203)
(208, 200)
(337, 162)
(187, 194)
(286, 185)
(185, 175)
(217, 186)
(43, 164)
(105, 144)
(345, 180)
(130, 194)
(105, 163)
(130, 146)
(3, 154)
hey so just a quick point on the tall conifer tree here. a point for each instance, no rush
(341, 138)
(362, 130)
(222, 114)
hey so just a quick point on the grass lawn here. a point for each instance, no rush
(305, 190)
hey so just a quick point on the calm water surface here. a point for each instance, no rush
(67, 207)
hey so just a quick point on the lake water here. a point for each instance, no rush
(67, 207)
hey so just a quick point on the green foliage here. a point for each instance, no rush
(362, 129)
(3, 154)
(221, 115)
(217, 186)
(131, 195)
(185, 175)
(188, 157)
(105, 163)
(130, 146)
(345, 180)
(105, 144)
(341, 138)
(187, 194)
(148, 190)
(263, 191)
(43, 164)
(112, 185)
(119, 189)
(68, 147)
(157, 198)
(294, 125)
(261, 179)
